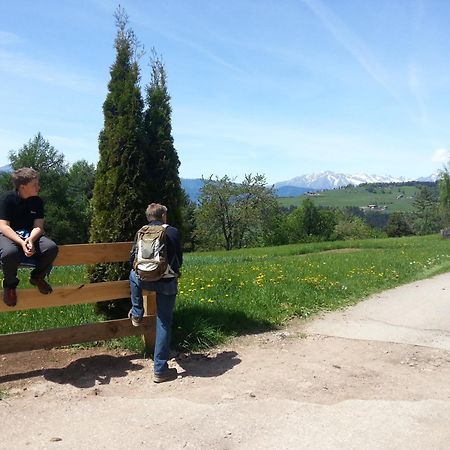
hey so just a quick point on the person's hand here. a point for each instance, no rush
(28, 247)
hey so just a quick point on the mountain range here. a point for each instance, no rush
(313, 182)
(303, 183)
(333, 180)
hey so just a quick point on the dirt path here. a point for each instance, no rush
(308, 386)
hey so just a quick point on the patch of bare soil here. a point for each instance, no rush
(286, 363)
(273, 390)
(342, 250)
(81, 368)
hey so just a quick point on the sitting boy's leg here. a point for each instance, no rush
(46, 251)
(10, 255)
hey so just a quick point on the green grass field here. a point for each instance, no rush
(225, 294)
(361, 197)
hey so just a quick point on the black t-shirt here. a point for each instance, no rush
(19, 212)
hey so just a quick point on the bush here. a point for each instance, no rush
(398, 226)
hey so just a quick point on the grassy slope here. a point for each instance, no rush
(224, 294)
(361, 197)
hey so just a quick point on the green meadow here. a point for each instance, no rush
(226, 294)
(395, 198)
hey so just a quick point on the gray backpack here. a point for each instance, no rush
(150, 262)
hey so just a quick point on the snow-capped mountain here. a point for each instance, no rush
(332, 180)
(7, 168)
(433, 177)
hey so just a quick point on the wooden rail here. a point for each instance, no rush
(80, 254)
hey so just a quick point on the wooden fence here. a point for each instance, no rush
(80, 254)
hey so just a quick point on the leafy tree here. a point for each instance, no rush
(353, 211)
(426, 211)
(328, 221)
(5, 182)
(80, 187)
(121, 178)
(216, 214)
(398, 226)
(352, 227)
(259, 206)
(310, 218)
(295, 221)
(50, 163)
(161, 158)
(65, 190)
(310, 223)
(444, 195)
(233, 215)
(188, 223)
(276, 231)
(376, 219)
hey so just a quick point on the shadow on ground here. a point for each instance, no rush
(83, 372)
(200, 365)
(87, 372)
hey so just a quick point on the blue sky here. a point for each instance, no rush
(281, 88)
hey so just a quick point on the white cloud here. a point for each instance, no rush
(353, 44)
(441, 156)
(7, 38)
(78, 147)
(26, 67)
(235, 145)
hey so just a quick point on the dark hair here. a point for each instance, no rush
(23, 176)
(155, 211)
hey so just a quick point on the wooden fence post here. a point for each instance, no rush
(148, 337)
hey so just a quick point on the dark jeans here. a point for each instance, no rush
(11, 255)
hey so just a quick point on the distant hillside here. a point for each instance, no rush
(192, 187)
(316, 181)
(291, 191)
(6, 168)
(396, 197)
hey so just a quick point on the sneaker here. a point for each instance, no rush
(42, 285)
(10, 296)
(135, 320)
(168, 375)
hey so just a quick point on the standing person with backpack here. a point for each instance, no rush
(156, 259)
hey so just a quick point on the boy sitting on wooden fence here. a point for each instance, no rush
(22, 235)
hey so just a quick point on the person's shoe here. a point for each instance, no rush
(42, 285)
(167, 375)
(10, 296)
(135, 320)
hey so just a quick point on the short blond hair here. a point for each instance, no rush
(24, 176)
(155, 211)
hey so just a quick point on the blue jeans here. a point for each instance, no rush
(166, 293)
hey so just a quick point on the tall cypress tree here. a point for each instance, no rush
(118, 203)
(162, 161)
